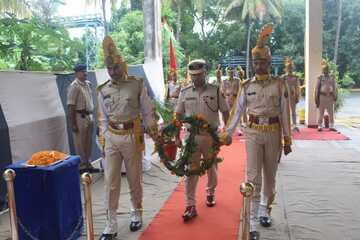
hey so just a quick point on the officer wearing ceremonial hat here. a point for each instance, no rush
(123, 106)
(240, 73)
(205, 99)
(293, 83)
(265, 99)
(173, 88)
(230, 86)
(325, 95)
(80, 108)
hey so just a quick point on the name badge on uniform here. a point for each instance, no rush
(190, 98)
(251, 93)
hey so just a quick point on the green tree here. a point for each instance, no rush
(103, 8)
(128, 35)
(252, 10)
(19, 8)
(30, 44)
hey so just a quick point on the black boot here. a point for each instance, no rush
(254, 235)
(265, 221)
(108, 236)
(210, 200)
(190, 213)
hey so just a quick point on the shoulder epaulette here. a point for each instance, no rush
(99, 87)
(135, 78)
(186, 87)
(246, 81)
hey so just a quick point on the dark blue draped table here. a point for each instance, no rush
(48, 200)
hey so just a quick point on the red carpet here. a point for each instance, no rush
(217, 223)
(313, 134)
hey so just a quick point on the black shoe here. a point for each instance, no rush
(134, 226)
(254, 235)
(210, 200)
(319, 129)
(333, 129)
(108, 236)
(190, 213)
(265, 221)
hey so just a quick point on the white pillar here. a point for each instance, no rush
(153, 49)
(313, 56)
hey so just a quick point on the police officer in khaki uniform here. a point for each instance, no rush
(123, 106)
(173, 89)
(80, 107)
(265, 99)
(230, 86)
(205, 99)
(240, 73)
(218, 74)
(325, 96)
(293, 83)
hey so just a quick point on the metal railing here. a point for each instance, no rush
(86, 180)
(9, 176)
(247, 190)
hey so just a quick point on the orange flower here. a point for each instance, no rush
(205, 125)
(44, 158)
(177, 123)
(200, 117)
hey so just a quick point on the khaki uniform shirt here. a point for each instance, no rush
(79, 95)
(327, 85)
(265, 99)
(124, 101)
(230, 87)
(293, 83)
(207, 101)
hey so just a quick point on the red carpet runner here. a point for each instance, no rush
(218, 223)
(313, 134)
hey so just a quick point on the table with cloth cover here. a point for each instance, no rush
(48, 200)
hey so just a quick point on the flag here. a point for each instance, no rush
(172, 67)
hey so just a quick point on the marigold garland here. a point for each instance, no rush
(183, 166)
(44, 158)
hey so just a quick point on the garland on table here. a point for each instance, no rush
(183, 165)
(44, 158)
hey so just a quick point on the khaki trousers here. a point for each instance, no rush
(203, 142)
(119, 148)
(326, 103)
(83, 138)
(293, 111)
(263, 152)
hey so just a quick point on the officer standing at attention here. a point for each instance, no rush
(265, 99)
(230, 86)
(123, 105)
(80, 108)
(293, 83)
(325, 96)
(205, 99)
(173, 88)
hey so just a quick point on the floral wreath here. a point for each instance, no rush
(183, 165)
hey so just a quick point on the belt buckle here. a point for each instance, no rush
(121, 126)
(263, 121)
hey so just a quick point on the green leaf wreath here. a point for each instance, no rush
(183, 165)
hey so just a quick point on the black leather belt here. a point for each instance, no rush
(263, 120)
